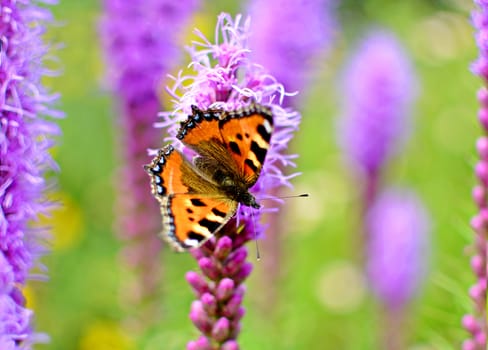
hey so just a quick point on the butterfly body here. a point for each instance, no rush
(197, 199)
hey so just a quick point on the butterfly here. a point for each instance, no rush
(198, 198)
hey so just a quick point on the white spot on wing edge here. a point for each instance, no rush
(267, 126)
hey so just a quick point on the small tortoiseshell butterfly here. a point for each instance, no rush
(198, 199)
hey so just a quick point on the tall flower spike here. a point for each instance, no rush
(226, 78)
(25, 139)
(288, 35)
(379, 88)
(140, 40)
(476, 324)
(397, 256)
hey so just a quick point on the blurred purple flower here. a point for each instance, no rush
(140, 40)
(226, 78)
(476, 324)
(397, 252)
(397, 247)
(25, 139)
(288, 35)
(379, 88)
(289, 52)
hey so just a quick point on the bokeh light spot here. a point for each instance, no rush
(341, 287)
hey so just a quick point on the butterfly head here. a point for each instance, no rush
(249, 200)
(238, 191)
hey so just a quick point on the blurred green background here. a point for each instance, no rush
(322, 302)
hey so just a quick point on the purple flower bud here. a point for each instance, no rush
(482, 96)
(379, 89)
(200, 318)
(197, 282)
(483, 117)
(478, 266)
(223, 248)
(224, 289)
(243, 273)
(220, 330)
(230, 309)
(481, 171)
(230, 345)
(398, 247)
(209, 303)
(235, 261)
(208, 268)
(470, 345)
(201, 344)
(479, 196)
(471, 324)
(482, 147)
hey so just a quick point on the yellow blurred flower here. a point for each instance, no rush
(29, 296)
(65, 222)
(105, 335)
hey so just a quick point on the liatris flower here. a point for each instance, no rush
(288, 51)
(25, 139)
(477, 324)
(378, 92)
(226, 78)
(140, 39)
(397, 251)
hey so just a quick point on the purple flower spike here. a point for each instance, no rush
(288, 51)
(226, 78)
(476, 324)
(25, 140)
(140, 42)
(379, 88)
(397, 252)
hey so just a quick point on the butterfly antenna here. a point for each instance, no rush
(258, 255)
(285, 197)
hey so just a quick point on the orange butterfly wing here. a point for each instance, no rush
(191, 206)
(246, 134)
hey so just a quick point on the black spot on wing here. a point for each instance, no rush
(239, 136)
(263, 133)
(250, 164)
(197, 202)
(209, 224)
(189, 210)
(234, 147)
(195, 236)
(258, 151)
(219, 213)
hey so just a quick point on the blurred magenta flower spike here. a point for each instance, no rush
(226, 78)
(379, 88)
(398, 247)
(291, 53)
(476, 324)
(288, 51)
(140, 40)
(397, 253)
(26, 135)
